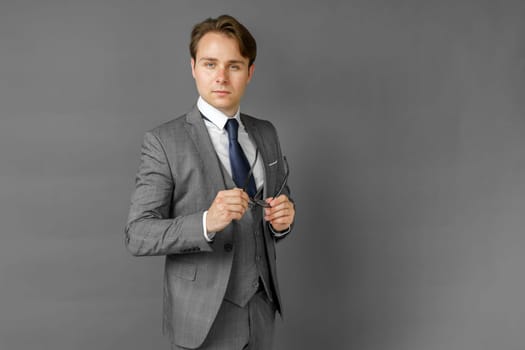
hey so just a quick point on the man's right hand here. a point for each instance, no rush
(228, 205)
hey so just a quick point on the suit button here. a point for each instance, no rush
(228, 247)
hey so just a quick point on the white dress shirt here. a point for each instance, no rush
(215, 121)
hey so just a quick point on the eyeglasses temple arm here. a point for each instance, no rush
(285, 177)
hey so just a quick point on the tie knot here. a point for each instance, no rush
(232, 127)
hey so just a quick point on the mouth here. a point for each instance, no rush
(221, 92)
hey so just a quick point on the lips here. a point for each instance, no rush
(221, 92)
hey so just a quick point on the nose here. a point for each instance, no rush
(222, 76)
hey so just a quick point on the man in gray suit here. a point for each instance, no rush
(212, 196)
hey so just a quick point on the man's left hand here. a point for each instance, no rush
(281, 212)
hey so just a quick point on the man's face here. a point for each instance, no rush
(221, 73)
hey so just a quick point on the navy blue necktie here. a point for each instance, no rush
(239, 163)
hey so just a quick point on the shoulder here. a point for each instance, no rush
(169, 127)
(161, 137)
(262, 124)
(256, 120)
(177, 128)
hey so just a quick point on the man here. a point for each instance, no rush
(212, 196)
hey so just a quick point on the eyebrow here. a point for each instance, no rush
(211, 59)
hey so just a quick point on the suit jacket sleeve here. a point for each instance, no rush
(150, 230)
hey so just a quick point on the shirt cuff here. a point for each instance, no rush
(208, 236)
(279, 234)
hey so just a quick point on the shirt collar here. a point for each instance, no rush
(215, 116)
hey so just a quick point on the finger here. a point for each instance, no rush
(274, 203)
(238, 193)
(225, 210)
(285, 209)
(234, 192)
(225, 215)
(279, 207)
(237, 208)
(234, 198)
(278, 200)
(225, 204)
(287, 205)
(245, 197)
(285, 212)
(235, 215)
(270, 213)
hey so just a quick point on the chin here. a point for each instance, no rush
(220, 105)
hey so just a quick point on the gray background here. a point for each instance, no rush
(404, 126)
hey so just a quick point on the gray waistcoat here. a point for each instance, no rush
(250, 261)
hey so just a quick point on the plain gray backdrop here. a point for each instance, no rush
(403, 122)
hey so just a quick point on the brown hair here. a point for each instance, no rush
(229, 26)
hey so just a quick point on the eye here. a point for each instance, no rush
(209, 65)
(235, 67)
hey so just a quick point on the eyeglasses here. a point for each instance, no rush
(256, 201)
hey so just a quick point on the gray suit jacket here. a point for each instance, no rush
(178, 179)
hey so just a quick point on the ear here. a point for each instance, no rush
(251, 70)
(192, 62)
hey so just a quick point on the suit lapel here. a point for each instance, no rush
(209, 160)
